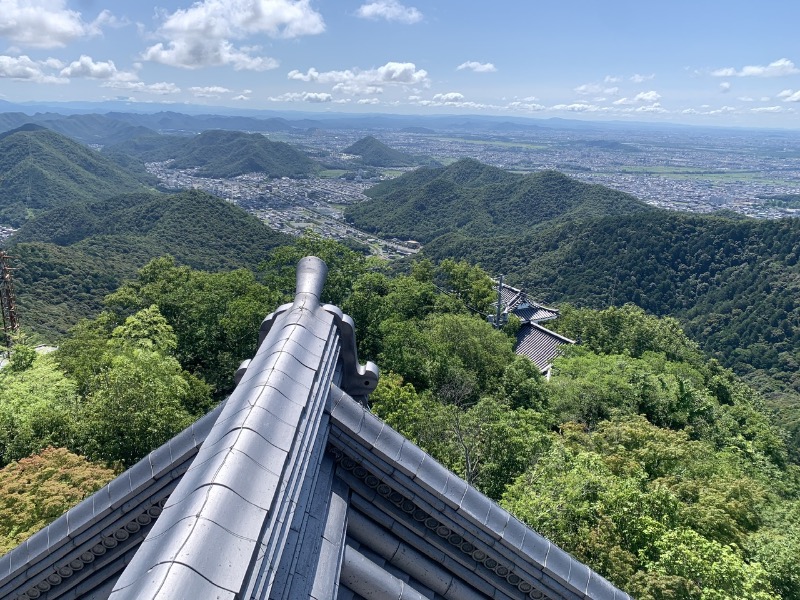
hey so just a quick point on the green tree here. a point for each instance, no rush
(39, 407)
(215, 316)
(470, 284)
(38, 489)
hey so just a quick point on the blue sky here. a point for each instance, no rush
(698, 62)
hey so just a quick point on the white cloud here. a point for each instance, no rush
(369, 101)
(637, 78)
(200, 36)
(722, 111)
(23, 68)
(241, 97)
(212, 91)
(87, 67)
(199, 53)
(612, 79)
(311, 75)
(725, 87)
(369, 81)
(651, 108)
(767, 109)
(46, 23)
(594, 88)
(790, 96)
(778, 68)
(623, 102)
(161, 88)
(651, 96)
(313, 97)
(577, 107)
(448, 97)
(390, 10)
(477, 67)
(526, 106)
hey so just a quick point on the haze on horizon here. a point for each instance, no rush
(710, 63)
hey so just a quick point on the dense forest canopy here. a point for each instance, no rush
(68, 258)
(40, 169)
(732, 282)
(652, 463)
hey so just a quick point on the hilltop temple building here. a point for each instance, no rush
(534, 340)
(292, 489)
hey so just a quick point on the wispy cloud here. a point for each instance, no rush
(313, 97)
(477, 67)
(778, 68)
(365, 81)
(389, 10)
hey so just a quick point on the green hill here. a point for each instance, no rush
(220, 153)
(479, 200)
(733, 282)
(70, 257)
(41, 169)
(375, 153)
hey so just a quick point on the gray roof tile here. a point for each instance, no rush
(558, 563)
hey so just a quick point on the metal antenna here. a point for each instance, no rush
(8, 304)
(499, 303)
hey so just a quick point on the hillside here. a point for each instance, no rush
(479, 200)
(70, 257)
(41, 169)
(375, 153)
(733, 282)
(219, 153)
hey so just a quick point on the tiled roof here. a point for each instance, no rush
(296, 491)
(539, 344)
(517, 302)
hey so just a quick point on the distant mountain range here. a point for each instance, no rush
(41, 169)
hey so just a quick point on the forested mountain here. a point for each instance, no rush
(479, 200)
(70, 257)
(733, 282)
(375, 153)
(41, 169)
(218, 153)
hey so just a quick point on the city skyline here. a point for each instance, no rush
(731, 64)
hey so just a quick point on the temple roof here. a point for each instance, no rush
(293, 489)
